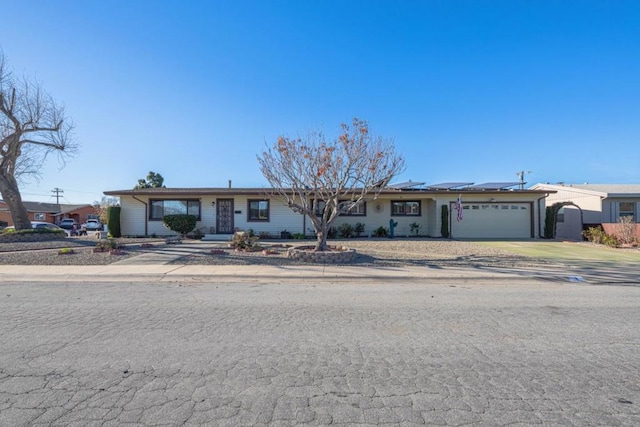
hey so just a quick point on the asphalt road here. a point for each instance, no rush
(108, 354)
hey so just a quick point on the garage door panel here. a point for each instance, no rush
(493, 220)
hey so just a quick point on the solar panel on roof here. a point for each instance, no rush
(494, 185)
(403, 185)
(449, 185)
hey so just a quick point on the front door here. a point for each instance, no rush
(224, 216)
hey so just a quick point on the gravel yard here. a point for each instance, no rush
(374, 252)
(46, 253)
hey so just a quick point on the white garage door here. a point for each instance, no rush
(493, 221)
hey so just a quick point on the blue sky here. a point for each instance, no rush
(469, 90)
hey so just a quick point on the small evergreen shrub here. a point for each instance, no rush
(332, 233)
(346, 231)
(358, 229)
(380, 232)
(113, 221)
(549, 222)
(444, 227)
(181, 223)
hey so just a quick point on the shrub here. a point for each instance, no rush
(610, 240)
(242, 241)
(549, 222)
(34, 231)
(264, 235)
(181, 223)
(444, 227)
(380, 232)
(284, 234)
(358, 229)
(196, 234)
(298, 236)
(346, 231)
(626, 230)
(106, 245)
(332, 233)
(594, 235)
(415, 228)
(113, 221)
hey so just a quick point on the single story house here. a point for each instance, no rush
(49, 212)
(493, 210)
(590, 205)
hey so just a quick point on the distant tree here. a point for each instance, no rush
(32, 126)
(315, 175)
(154, 180)
(101, 207)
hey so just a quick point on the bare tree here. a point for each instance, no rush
(103, 205)
(32, 125)
(322, 179)
(626, 230)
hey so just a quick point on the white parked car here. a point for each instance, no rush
(92, 225)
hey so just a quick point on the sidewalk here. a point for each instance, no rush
(248, 274)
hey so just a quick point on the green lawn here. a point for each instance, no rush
(559, 251)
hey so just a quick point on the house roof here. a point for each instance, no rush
(51, 208)
(194, 192)
(603, 190)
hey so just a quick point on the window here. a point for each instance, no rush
(160, 208)
(359, 210)
(627, 209)
(258, 210)
(39, 216)
(405, 208)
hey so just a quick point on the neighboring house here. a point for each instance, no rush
(78, 212)
(489, 211)
(49, 212)
(591, 205)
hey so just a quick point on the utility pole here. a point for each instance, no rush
(521, 176)
(58, 191)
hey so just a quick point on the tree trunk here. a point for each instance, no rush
(321, 243)
(11, 196)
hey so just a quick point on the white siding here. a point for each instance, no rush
(132, 217)
(281, 217)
